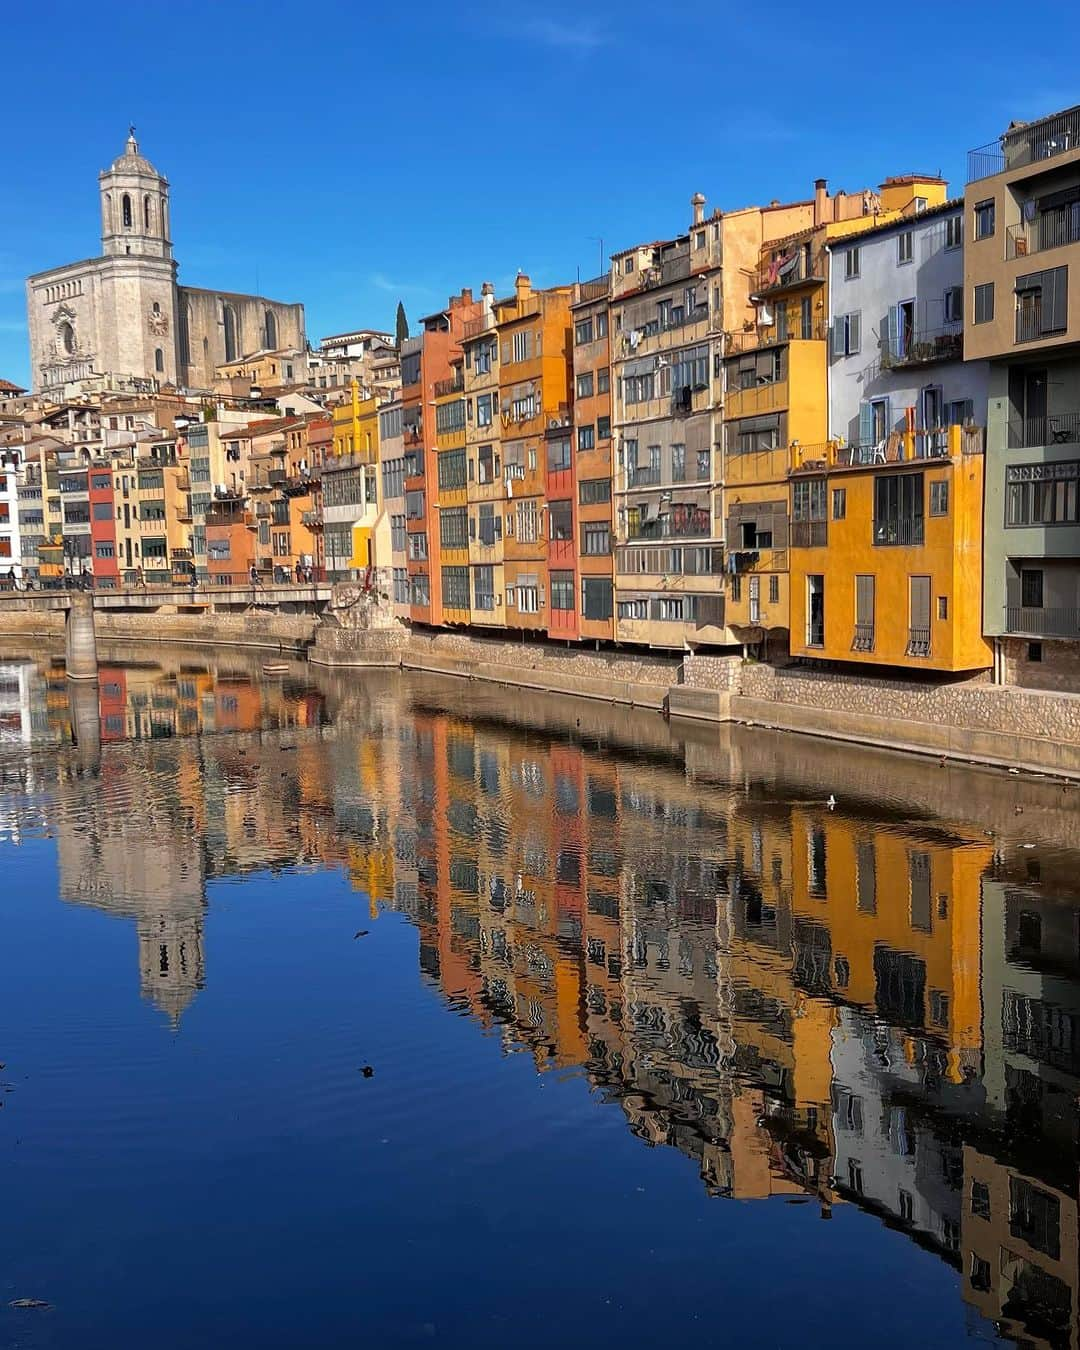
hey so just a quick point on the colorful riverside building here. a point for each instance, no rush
(1022, 227)
(350, 498)
(487, 490)
(776, 391)
(533, 331)
(592, 451)
(886, 534)
(452, 480)
(425, 360)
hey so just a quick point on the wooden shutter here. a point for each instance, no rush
(866, 423)
(854, 333)
(919, 601)
(838, 336)
(1055, 299)
(864, 600)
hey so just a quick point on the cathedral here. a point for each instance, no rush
(123, 318)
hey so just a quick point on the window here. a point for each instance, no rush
(601, 324)
(851, 263)
(561, 520)
(484, 410)
(678, 462)
(483, 587)
(585, 437)
(815, 611)
(1031, 587)
(808, 499)
(282, 543)
(1034, 652)
(522, 345)
(523, 407)
(584, 385)
(420, 589)
(954, 231)
(984, 303)
(594, 491)
(414, 505)
(943, 607)
(101, 511)
(736, 589)
(397, 534)
(159, 359)
(125, 209)
(904, 251)
(454, 527)
(450, 417)
(484, 356)
(527, 524)
(638, 388)
(596, 538)
(628, 265)
(596, 597)
(583, 332)
(939, 498)
(416, 544)
(603, 380)
(704, 464)
(984, 218)
(603, 428)
(455, 587)
(452, 469)
(104, 551)
(1042, 302)
(489, 525)
(774, 590)
(839, 503)
(1035, 1217)
(980, 1274)
(528, 595)
(1042, 494)
(558, 452)
(980, 1200)
(562, 590)
(898, 509)
(954, 304)
(847, 334)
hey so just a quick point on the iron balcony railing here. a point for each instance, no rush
(1057, 429)
(900, 531)
(1045, 139)
(790, 269)
(1062, 623)
(693, 525)
(918, 642)
(809, 533)
(642, 477)
(863, 641)
(1048, 229)
(923, 347)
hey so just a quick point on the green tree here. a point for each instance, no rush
(401, 324)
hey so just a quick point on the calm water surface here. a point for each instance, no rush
(388, 1012)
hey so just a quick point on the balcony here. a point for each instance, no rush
(923, 347)
(1046, 139)
(1049, 229)
(918, 643)
(809, 533)
(454, 385)
(758, 560)
(1052, 623)
(642, 477)
(312, 519)
(797, 267)
(1057, 429)
(863, 639)
(684, 522)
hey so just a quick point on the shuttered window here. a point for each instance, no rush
(1042, 303)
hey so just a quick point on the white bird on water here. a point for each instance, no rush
(831, 802)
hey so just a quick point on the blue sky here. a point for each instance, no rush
(347, 155)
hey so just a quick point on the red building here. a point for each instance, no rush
(103, 548)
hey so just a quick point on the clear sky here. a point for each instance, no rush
(348, 154)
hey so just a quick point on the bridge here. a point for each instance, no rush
(80, 606)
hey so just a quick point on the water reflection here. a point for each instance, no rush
(877, 1005)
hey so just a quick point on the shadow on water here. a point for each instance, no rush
(873, 1007)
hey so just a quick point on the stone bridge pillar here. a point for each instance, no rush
(80, 649)
(86, 723)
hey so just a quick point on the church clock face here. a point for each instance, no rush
(157, 322)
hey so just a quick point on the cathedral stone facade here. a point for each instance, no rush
(123, 317)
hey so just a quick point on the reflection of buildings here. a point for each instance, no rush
(845, 1005)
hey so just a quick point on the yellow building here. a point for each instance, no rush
(886, 556)
(357, 536)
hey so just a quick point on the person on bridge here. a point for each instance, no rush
(299, 572)
(254, 575)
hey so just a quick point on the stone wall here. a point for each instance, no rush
(272, 632)
(974, 720)
(1056, 669)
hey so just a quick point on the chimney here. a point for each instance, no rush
(522, 287)
(487, 304)
(839, 206)
(697, 205)
(821, 200)
(466, 295)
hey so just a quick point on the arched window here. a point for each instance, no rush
(269, 330)
(146, 214)
(125, 208)
(229, 317)
(157, 308)
(67, 337)
(159, 359)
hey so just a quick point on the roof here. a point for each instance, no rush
(6, 387)
(899, 179)
(896, 223)
(131, 161)
(266, 427)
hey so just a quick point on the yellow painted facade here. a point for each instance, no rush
(922, 607)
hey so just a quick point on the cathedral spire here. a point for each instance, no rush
(132, 146)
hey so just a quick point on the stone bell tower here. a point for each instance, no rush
(138, 329)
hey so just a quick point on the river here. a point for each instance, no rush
(390, 1010)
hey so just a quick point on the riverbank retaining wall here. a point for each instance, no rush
(265, 631)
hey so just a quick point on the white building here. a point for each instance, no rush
(10, 542)
(896, 333)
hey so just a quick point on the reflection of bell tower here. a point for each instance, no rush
(134, 207)
(171, 960)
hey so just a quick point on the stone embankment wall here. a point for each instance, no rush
(970, 719)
